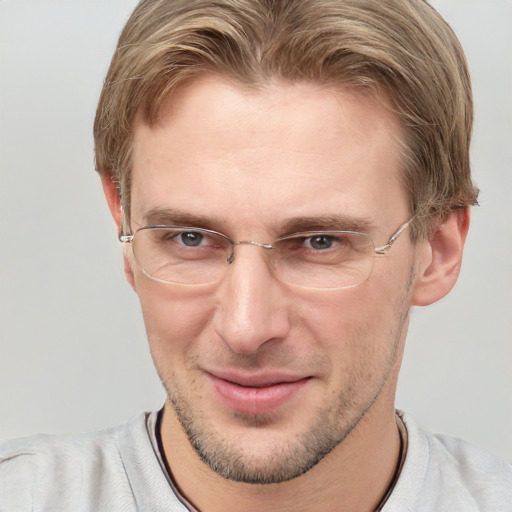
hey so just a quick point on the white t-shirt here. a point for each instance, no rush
(120, 470)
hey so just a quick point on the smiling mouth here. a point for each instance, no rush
(256, 394)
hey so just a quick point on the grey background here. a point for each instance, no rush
(73, 353)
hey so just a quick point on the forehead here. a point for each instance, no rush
(285, 150)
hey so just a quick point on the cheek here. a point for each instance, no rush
(174, 316)
(361, 335)
(337, 317)
(353, 324)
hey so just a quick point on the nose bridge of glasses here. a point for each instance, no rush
(252, 242)
(231, 257)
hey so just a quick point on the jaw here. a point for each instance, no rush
(265, 448)
(357, 472)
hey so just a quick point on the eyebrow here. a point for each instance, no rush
(175, 217)
(328, 223)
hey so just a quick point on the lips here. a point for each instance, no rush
(256, 394)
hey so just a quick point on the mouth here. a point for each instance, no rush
(256, 394)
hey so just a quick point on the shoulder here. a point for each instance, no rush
(445, 474)
(483, 477)
(48, 469)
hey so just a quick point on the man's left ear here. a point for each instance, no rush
(441, 259)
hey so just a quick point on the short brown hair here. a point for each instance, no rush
(401, 47)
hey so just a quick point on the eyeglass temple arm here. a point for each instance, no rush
(384, 248)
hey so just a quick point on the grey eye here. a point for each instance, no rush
(191, 238)
(320, 242)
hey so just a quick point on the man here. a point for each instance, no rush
(288, 179)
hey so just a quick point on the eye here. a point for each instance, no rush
(321, 245)
(319, 242)
(189, 238)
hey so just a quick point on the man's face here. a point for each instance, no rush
(265, 377)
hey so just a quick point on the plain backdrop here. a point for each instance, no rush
(73, 352)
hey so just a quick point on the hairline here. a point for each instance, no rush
(150, 114)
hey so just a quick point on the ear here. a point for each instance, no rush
(441, 258)
(114, 204)
(113, 199)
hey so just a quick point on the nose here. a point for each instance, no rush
(252, 307)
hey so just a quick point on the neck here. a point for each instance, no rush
(354, 477)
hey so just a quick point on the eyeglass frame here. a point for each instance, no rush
(383, 249)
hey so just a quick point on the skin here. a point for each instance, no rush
(247, 162)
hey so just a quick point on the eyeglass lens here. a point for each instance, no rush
(331, 259)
